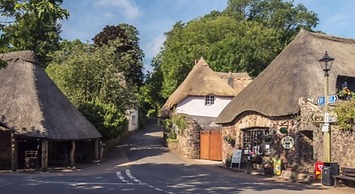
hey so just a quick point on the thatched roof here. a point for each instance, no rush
(202, 81)
(294, 73)
(32, 105)
(3, 125)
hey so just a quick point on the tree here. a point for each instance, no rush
(227, 45)
(90, 77)
(128, 51)
(150, 95)
(277, 14)
(32, 25)
(246, 36)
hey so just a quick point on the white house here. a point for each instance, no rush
(205, 92)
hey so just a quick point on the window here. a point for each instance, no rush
(133, 120)
(209, 100)
(256, 141)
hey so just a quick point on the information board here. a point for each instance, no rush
(237, 157)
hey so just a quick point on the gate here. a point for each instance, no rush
(211, 144)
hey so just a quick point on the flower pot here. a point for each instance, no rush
(268, 171)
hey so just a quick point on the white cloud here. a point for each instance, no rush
(153, 47)
(128, 7)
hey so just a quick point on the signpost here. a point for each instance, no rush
(332, 99)
(324, 117)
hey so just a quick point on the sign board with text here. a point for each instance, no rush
(237, 157)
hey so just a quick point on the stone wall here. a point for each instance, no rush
(188, 139)
(300, 128)
(342, 141)
(342, 146)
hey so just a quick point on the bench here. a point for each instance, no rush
(345, 174)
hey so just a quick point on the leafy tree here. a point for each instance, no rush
(246, 36)
(150, 96)
(128, 51)
(227, 45)
(89, 76)
(31, 25)
(277, 14)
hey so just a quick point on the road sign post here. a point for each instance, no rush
(331, 99)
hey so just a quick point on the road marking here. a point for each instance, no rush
(138, 182)
(82, 183)
(119, 175)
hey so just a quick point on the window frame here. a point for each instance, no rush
(209, 100)
(254, 141)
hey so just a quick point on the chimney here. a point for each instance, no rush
(230, 80)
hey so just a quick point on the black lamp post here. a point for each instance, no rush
(326, 63)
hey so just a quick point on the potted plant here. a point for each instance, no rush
(230, 140)
(268, 167)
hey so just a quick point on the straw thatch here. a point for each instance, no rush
(202, 81)
(3, 125)
(32, 105)
(294, 73)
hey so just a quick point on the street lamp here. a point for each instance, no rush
(326, 63)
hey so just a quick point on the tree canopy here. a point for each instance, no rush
(94, 82)
(31, 25)
(128, 50)
(246, 36)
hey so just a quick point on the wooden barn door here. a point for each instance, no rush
(211, 145)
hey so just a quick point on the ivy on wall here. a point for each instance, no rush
(346, 112)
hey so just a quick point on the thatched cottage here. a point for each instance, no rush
(280, 102)
(202, 96)
(39, 122)
(205, 92)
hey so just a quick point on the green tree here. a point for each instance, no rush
(277, 14)
(31, 25)
(246, 36)
(150, 96)
(227, 45)
(90, 77)
(128, 51)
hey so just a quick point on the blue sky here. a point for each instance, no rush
(153, 18)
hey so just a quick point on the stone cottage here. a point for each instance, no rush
(201, 97)
(272, 116)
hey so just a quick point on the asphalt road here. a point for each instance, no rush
(142, 164)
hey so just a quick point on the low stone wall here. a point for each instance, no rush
(188, 139)
(342, 146)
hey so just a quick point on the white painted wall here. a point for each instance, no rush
(133, 120)
(195, 105)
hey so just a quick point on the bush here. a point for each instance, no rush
(105, 117)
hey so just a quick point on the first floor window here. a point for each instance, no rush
(209, 100)
(256, 141)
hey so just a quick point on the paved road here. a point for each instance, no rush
(141, 164)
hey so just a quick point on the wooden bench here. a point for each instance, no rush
(345, 174)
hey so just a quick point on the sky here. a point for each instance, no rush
(153, 18)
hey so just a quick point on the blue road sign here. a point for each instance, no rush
(321, 101)
(332, 99)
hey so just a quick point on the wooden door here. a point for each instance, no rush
(211, 145)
